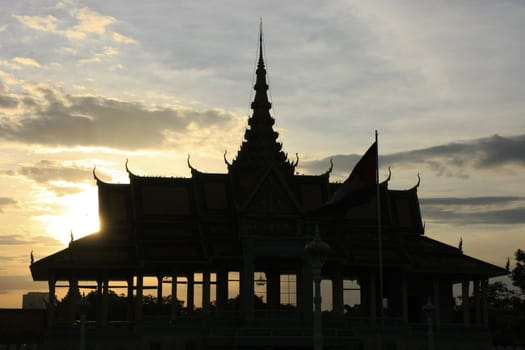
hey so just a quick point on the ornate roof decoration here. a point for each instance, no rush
(260, 147)
(329, 171)
(95, 174)
(389, 175)
(97, 179)
(193, 170)
(228, 164)
(418, 182)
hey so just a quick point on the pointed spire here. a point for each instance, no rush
(261, 102)
(260, 146)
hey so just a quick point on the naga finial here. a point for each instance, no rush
(389, 175)
(189, 164)
(228, 164)
(296, 160)
(95, 173)
(329, 171)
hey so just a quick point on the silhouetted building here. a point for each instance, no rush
(35, 300)
(217, 240)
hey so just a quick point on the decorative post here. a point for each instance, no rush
(317, 251)
(83, 306)
(51, 301)
(174, 303)
(465, 299)
(428, 310)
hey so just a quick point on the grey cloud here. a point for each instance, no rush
(471, 201)
(12, 240)
(8, 101)
(475, 210)
(65, 120)
(5, 201)
(492, 217)
(46, 170)
(21, 240)
(452, 159)
(21, 282)
(482, 153)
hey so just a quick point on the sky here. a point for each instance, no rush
(93, 83)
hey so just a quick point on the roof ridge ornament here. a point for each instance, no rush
(193, 170)
(189, 164)
(260, 146)
(415, 187)
(389, 175)
(228, 164)
(329, 171)
(127, 168)
(95, 173)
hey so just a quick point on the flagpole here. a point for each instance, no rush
(379, 236)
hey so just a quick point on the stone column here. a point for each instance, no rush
(206, 291)
(100, 286)
(159, 289)
(129, 311)
(190, 293)
(51, 302)
(404, 297)
(273, 289)
(247, 290)
(337, 293)
(437, 303)
(372, 296)
(138, 305)
(105, 300)
(307, 297)
(222, 289)
(174, 303)
(465, 303)
(477, 302)
(485, 302)
(73, 299)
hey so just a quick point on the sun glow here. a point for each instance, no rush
(78, 219)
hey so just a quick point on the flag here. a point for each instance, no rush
(358, 187)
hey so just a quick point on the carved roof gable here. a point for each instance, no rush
(272, 195)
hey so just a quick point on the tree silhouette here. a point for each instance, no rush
(518, 273)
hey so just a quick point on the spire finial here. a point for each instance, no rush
(261, 55)
(260, 146)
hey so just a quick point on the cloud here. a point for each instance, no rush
(105, 53)
(52, 118)
(21, 282)
(8, 101)
(26, 61)
(58, 177)
(475, 210)
(42, 23)
(5, 201)
(470, 201)
(120, 38)
(453, 159)
(87, 22)
(46, 171)
(34, 240)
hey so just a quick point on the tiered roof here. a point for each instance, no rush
(156, 223)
